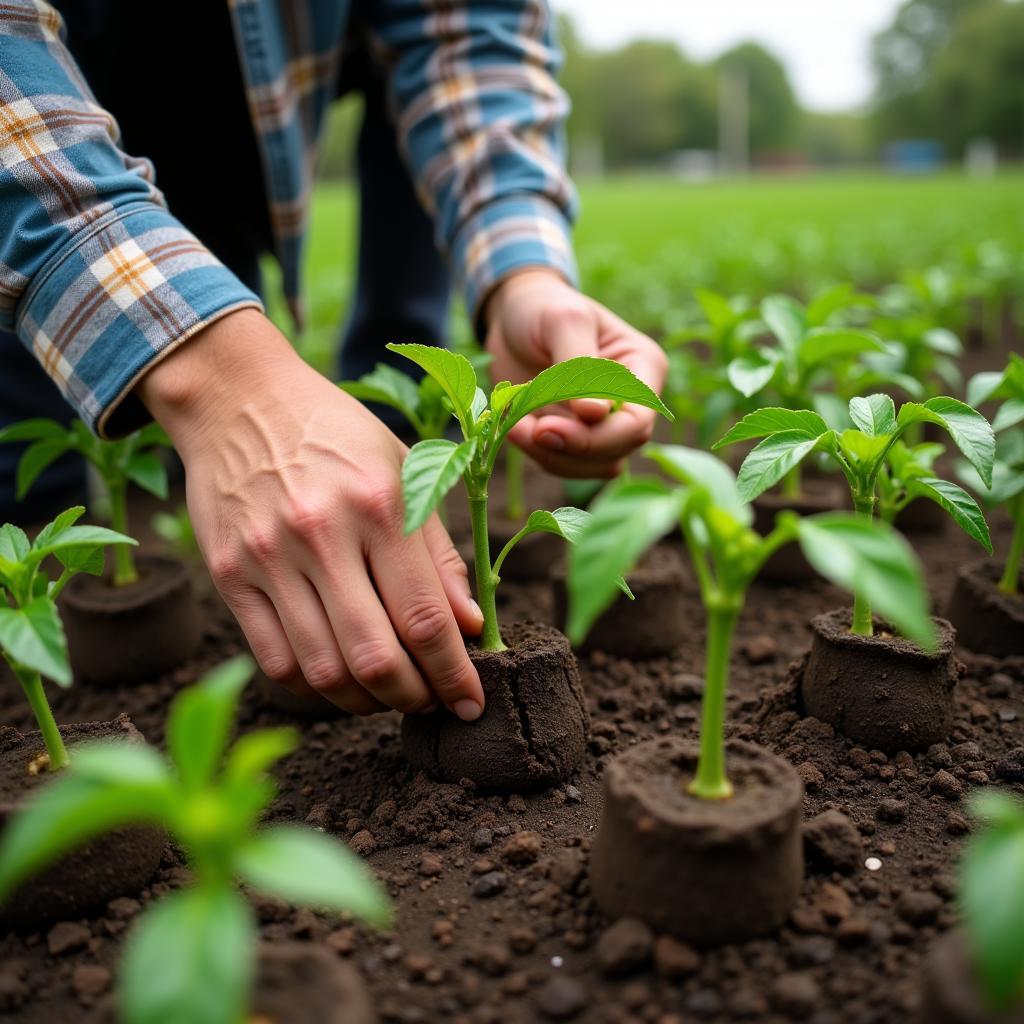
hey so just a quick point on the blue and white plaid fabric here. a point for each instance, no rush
(100, 280)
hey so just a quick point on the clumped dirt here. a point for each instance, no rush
(496, 922)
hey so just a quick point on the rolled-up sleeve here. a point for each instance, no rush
(480, 117)
(97, 278)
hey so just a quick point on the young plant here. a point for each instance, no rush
(31, 635)
(867, 456)
(433, 467)
(727, 555)
(191, 956)
(176, 531)
(422, 404)
(118, 463)
(1006, 487)
(992, 899)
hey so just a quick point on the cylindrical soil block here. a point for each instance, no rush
(655, 623)
(707, 871)
(534, 726)
(881, 691)
(951, 993)
(114, 864)
(986, 619)
(135, 632)
(818, 494)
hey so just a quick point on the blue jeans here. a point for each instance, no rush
(402, 284)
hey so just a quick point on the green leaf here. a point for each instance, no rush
(870, 557)
(862, 449)
(82, 559)
(875, 415)
(771, 460)
(388, 386)
(503, 393)
(121, 762)
(703, 471)
(1007, 482)
(64, 521)
(582, 377)
(68, 812)
(982, 386)
(957, 502)
(36, 459)
(77, 537)
(192, 958)
(832, 409)
(452, 371)
(824, 343)
(717, 311)
(992, 897)
(148, 471)
(33, 430)
(970, 431)
(200, 720)
(626, 519)
(1009, 414)
(310, 869)
(786, 320)
(14, 544)
(33, 636)
(255, 752)
(750, 374)
(770, 420)
(430, 471)
(942, 340)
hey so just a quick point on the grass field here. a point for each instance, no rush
(750, 235)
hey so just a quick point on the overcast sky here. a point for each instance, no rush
(825, 43)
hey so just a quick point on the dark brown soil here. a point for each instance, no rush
(923, 516)
(676, 861)
(159, 613)
(655, 622)
(986, 619)
(881, 691)
(950, 993)
(496, 924)
(820, 494)
(534, 726)
(117, 864)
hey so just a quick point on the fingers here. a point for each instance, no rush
(454, 577)
(568, 447)
(568, 332)
(418, 605)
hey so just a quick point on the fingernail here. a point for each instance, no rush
(476, 610)
(468, 710)
(551, 440)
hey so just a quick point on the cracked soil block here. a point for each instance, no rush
(653, 624)
(881, 691)
(132, 633)
(115, 864)
(534, 726)
(296, 983)
(950, 991)
(709, 872)
(820, 494)
(986, 619)
(309, 706)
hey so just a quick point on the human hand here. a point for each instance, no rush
(294, 492)
(534, 319)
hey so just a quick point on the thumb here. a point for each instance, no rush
(570, 333)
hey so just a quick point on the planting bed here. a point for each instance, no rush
(495, 918)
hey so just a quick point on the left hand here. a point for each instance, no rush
(535, 319)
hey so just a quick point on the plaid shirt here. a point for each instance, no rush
(100, 280)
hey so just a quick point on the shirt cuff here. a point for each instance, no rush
(127, 291)
(506, 235)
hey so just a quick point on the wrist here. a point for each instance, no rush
(514, 285)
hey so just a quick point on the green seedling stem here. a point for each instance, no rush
(1010, 581)
(515, 503)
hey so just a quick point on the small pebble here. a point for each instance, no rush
(490, 885)
(561, 998)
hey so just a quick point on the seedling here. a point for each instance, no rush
(191, 955)
(1006, 487)
(867, 456)
(422, 404)
(31, 635)
(992, 898)
(118, 463)
(727, 555)
(176, 531)
(433, 467)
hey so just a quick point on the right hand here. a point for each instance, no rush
(295, 495)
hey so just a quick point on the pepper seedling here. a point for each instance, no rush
(1007, 484)
(118, 463)
(865, 455)
(422, 403)
(727, 555)
(992, 899)
(433, 467)
(191, 956)
(31, 635)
